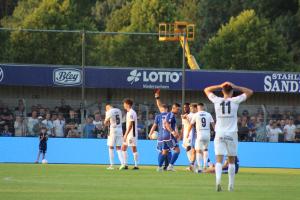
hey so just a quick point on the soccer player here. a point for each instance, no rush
(113, 117)
(131, 134)
(164, 151)
(189, 137)
(211, 168)
(203, 121)
(226, 139)
(170, 134)
(43, 144)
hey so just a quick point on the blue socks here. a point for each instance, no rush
(174, 158)
(161, 159)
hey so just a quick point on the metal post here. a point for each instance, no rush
(83, 76)
(183, 71)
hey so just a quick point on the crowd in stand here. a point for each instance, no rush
(65, 121)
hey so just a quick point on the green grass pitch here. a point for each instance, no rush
(60, 182)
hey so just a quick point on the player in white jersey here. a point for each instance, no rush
(188, 138)
(203, 121)
(226, 139)
(113, 118)
(131, 134)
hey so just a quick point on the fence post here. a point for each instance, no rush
(83, 106)
(183, 71)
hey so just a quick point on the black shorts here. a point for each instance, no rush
(43, 147)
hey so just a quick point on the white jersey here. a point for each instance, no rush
(132, 117)
(290, 131)
(273, 134)
(114, 116)
(185, 123)
(202, 119)
(226, 113)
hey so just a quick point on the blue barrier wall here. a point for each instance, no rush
(94, 151)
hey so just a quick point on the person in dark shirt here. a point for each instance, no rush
(43, 144)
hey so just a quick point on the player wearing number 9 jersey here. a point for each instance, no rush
(226, 139)
(113, 118)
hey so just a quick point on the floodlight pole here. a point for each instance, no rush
(183, 71)
(82, 75)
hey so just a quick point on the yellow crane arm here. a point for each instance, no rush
(190, 58)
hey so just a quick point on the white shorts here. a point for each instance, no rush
(226, 145)
(202, 144)
(113, 140)
(131, 141)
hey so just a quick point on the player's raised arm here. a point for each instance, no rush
(211, 89)
(245, 90)
(157, 98)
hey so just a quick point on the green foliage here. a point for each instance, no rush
(246, 42)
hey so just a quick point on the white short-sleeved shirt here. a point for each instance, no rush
(290, 131)
(202, 119)
(226, 113)
(59, 127)
(114, 116)
(132, 117)
(186, 123)
(49, 126)
(273, 134)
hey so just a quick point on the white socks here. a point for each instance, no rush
(205, 158)
(135, 158)
(199, 158)
(125, 157)
(231, 174)
(120, 157)
(111, 156)
(218, 170)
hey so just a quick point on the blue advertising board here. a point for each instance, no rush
(95, 151)
(62, 76)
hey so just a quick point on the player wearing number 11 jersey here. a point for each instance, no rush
(226, 139)
(113, 118)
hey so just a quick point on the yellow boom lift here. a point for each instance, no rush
(178, 31)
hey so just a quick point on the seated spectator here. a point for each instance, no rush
(31, 122)
(20, 127)
(273, 132)
(6, 132)
(289, 131)
(59, 126)
(73, 133)
(38, 126)
(89, 128)
(49, 125)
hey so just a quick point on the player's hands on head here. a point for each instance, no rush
(228, 83)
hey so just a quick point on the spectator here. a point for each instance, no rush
(59, 126)
(274, 131)
(99, 125)
(54, 116)
(260, 129)
(65, 109)
(297, 121)
(6, 132)
(20, 109)
(89, 128)
(276, 115)
(289, 131)
(43, 144)
(20, 127)
(245, 113)
(73, 133)
(252, 129)
(72, 119)
(49, 125)
(32, 121)
(38, 126)
(243, 130)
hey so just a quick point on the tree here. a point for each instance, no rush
(47, 48)
(249, 43)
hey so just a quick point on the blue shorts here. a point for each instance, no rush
(167, 145)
